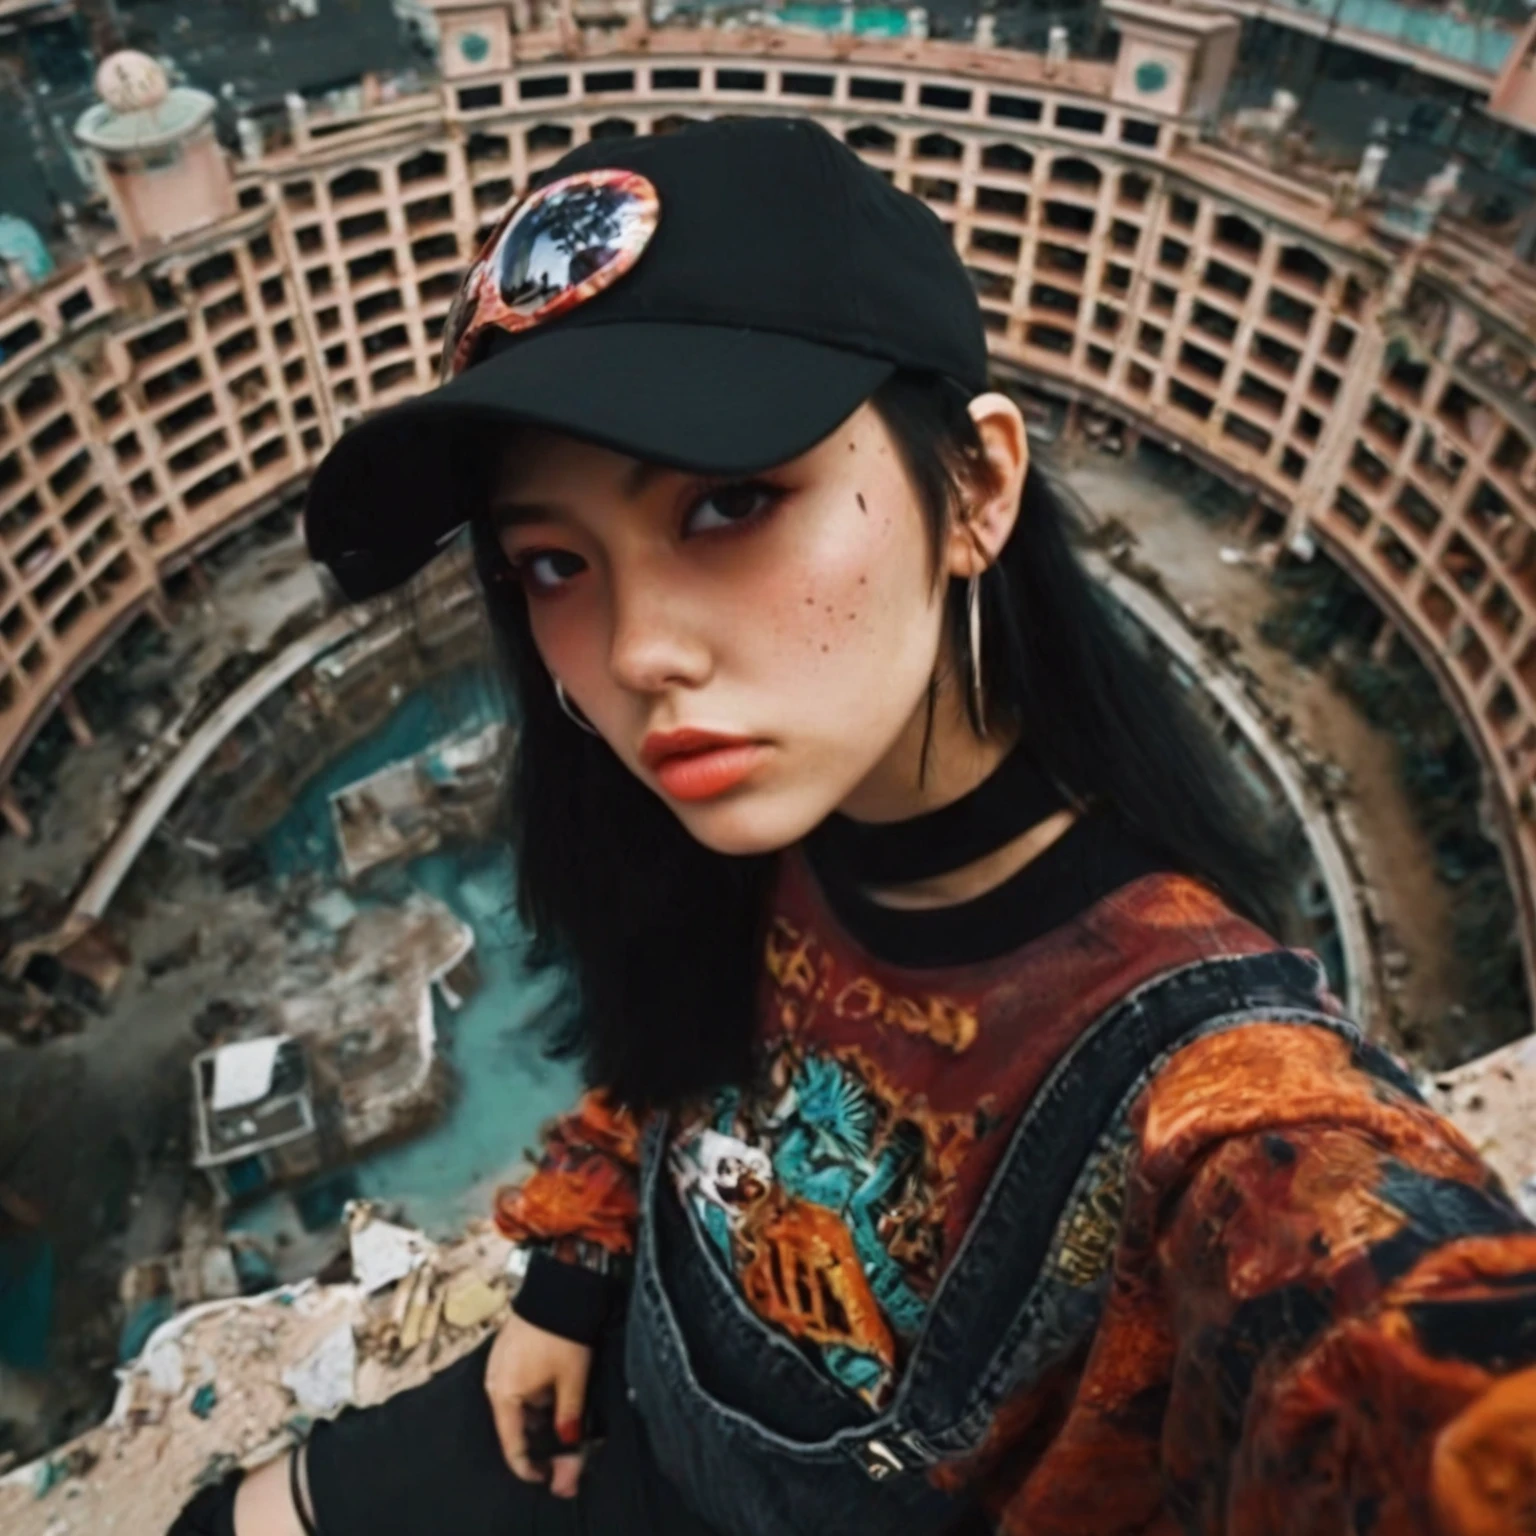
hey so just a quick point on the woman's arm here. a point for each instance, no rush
(1352, 1299)
(577, 1211)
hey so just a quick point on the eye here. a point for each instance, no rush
(547, 570)
(729, 506)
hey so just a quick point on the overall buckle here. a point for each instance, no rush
(901, 1453)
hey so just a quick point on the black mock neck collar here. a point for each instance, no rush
(1093, 858)
(1014, 797)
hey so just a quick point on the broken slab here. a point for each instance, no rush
(130, 1475)
(382, 1251)
(1493, 1101)
(322, 1382)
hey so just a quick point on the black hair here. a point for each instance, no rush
(664, 937)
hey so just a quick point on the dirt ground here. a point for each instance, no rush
(1398, 860)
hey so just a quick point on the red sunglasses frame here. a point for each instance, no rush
(478, 306)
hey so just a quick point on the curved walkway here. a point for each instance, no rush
(1361, 994)
(128, 841)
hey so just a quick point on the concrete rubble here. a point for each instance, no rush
(356, 1015)
(408, 808)
(1493, 1100)
(235, 1381)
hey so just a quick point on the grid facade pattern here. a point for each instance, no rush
(1377, 390)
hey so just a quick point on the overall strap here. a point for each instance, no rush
(1006, 1307)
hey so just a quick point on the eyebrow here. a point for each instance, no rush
(519, 514)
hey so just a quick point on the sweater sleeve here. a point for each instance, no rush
(577, 1212)
(1351, 1296)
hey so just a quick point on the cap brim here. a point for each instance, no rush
(709, 399)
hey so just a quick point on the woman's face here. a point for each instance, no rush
(793, 618)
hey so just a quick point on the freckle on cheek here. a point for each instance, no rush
(825, 649)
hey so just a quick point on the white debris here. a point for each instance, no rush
(242, 1072)
(218, 1275)
(383, 1253)
(1525, 1197)
(322, 1382)
(162, 1364)
(334, 910)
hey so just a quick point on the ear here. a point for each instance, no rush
(991, 506)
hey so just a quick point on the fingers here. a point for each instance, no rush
(565, 1475)
(570, 1399)
(512, 1432)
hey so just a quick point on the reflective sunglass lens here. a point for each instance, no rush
(557, 248)
(566, 238)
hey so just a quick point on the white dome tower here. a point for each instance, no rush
(154, 146)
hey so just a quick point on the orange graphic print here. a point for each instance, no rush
(801, 1271)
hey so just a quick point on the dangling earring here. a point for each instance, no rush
(973, 622)
(572, 714)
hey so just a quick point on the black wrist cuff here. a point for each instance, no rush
(565, 1299)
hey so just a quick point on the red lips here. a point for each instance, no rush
(660, 745)
(698, 765)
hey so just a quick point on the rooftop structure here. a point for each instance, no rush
(348, 1059)
(253, 1114)
(1355, 354)
(408, 808)
(157, 157)
(1445, 42)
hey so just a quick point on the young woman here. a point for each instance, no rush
(962, 1153)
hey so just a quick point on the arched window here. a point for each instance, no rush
(1298, 262)
(867, 136)
(1008, 157)
(939, 146)
(423, 167)
(354, 183)
(1073, 171)
(1235, 231)
(547, 136)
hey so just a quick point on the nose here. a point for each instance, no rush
(655, 644)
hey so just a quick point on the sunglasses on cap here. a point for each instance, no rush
(554, 249)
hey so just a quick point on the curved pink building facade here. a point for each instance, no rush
(1366, 369)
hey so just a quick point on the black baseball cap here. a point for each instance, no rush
(783, 283)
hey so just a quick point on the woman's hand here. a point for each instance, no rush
(530, 1370)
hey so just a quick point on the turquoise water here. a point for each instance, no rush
(1453, 37)
(505, 1087)
(868, 21)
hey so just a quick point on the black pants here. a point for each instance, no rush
(428, 1461)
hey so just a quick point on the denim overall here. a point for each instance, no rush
(760, 1443)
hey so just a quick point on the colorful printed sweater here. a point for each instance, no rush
(1322, 1314)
